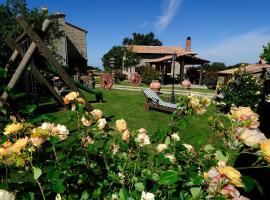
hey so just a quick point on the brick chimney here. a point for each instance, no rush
(188, 44)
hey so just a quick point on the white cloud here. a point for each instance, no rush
(241, 48)
(169, 9)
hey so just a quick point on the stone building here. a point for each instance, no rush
(160, 58)
(72, 47)
(255, 69)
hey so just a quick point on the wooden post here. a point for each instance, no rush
(201, 75)
(13, 45)
(182, 65)
(24, 62)
(51, 59)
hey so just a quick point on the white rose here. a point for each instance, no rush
(171, 157)
(5, 195)
(250, 137)
(101, 123)
(161, 147)
(142, 139)
(189, 147)
(175, 137)
(97, 114)
(147, 196)
(142, 130)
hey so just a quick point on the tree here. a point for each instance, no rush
(122, 55)
(266, 53)
(141, 39)
(10, 27)
(211, 73)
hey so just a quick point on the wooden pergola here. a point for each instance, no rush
(183, 59)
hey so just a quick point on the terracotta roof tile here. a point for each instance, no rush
(252, 68)
(157, 49)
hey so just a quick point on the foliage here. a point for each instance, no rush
(193, 74)
(56, 163)
(148, 74)
(266, 53)
(10, 27)
(242, 90)
(122, 56)
(141, 39)
(210, 76)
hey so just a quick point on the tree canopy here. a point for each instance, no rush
(122, 56)
(142, 39)
(10, 27)
(266, 53)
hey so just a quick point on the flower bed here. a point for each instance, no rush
(99, 162)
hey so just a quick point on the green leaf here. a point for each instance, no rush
(85, 195)
(29, 109)
(221, 157)
(169, 177)
(123, 194)
(59, 187)
(97, 193)
(195, 192)
(139, 187)
(54, 139)
(37, 172)
(209, 148)
(53, 175)
(249, 183)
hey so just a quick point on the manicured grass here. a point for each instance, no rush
(128, 105)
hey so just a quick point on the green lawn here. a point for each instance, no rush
(129, 106)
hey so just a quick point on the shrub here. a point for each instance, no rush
(98, 162)
(242, 90)
(148, 74)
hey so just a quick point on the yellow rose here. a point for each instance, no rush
(265, 147)
(72, 96)
(13, 128)
(232, 174)
(121, 125)
(85, 121)
(244, 114)
(37, 141)
(97, 114)
(19, 145)
(4, 152)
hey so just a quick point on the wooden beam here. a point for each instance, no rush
(182, 66)
(201, 75)
(12, 44)
(51, 59)
(46, 84)
(23, 64)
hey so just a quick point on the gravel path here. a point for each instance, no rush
(163, 90)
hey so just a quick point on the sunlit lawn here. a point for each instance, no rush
(129, 106)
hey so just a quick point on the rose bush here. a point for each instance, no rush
(243, 89)
(99, 162)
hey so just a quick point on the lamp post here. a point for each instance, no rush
(112, 65)
(173, 66)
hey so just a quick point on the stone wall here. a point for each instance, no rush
(60, 44)
(78, 39)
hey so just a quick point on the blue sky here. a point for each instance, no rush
(229, 31)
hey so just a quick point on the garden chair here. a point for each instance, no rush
(155, 102)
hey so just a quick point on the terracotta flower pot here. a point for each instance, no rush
(155, 85)
(186, 84)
